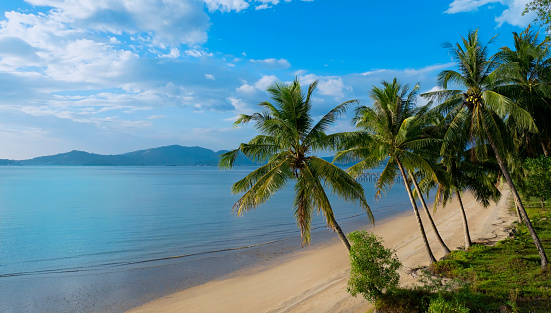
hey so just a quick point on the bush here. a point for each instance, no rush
(373, 268)
(538, 179)
(441, 305)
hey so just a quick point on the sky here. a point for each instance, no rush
(114, 76)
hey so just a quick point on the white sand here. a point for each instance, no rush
(314, 280)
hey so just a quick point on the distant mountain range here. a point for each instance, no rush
(169, 155)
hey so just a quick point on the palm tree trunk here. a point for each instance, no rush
(414, 205)
(468, 241)
(442, 244)
(519, 218)
(341, 235)
(544, 147)
(518, 201)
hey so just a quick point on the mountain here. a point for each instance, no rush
(169, 155)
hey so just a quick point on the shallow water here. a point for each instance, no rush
(92, 239)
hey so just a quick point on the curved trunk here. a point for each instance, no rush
(518, 201)
(414, 205)
(341, 235)
(468, 241)
(440, 240)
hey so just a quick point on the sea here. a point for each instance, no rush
(107, 239)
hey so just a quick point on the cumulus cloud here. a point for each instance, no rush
(183, 21)
(246, 88)
(265, 82)
(174, 53)
(512, 15)
(327, 85)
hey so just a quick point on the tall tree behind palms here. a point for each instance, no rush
(288, 138)
(482, 109)
(527, 70)
(389, 131)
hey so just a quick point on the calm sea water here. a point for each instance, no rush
(93, 239)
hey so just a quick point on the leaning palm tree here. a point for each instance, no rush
(288, 138)
(390, 131)
(483, 110)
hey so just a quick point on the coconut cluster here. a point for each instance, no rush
(472, 100)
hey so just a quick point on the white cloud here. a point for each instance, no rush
(458, 6)
(512, 15)
(183, 21)
(246, 88)
(333, 87)
(226, 5)
(210, 76)
(327, 85)
(273, 62)
(262, 7)
(174, 53)
(197, 53)
(265, 82)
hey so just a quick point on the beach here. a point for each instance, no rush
(314, 279)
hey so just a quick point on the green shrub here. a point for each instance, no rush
(373, 268)
(403, 300)
(441, 305)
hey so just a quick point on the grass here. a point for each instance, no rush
(503, 278)
(507, 274)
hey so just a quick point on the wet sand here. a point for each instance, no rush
(314, 279)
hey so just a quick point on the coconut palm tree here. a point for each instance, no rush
(483, 110)
(287, 140)
(527, 70)
(465, 174)
(390, 131)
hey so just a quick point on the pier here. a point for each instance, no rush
(372, 177)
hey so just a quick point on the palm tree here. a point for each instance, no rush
(464, 174)
(390, 131)
(482, 109)
(288, 138)
(419, 194)
(528, 72)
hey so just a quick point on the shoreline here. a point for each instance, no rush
(314, 280)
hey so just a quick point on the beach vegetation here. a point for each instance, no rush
(465, 174)
(476, 103)
(392, 131)
(441, 305)
(288, 139)
(538, 179)
(373, 268)
(526, 71)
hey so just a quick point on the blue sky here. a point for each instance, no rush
(113, 76)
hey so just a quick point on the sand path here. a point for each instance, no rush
(314, 280)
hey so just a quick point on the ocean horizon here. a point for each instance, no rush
(108, 239)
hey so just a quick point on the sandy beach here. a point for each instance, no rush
(314, 280)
